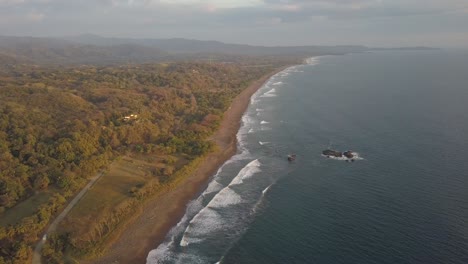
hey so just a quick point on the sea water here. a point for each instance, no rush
(404, 201)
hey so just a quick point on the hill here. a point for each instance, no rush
(59, 51)
(181, 45)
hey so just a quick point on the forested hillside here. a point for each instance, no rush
(91, 49)
(60, 126)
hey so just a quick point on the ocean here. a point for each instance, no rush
(404, 200)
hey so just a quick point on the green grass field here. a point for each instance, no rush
(114, 188)
(24, 209)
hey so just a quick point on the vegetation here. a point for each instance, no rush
(60, 126)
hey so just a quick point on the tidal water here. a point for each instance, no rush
(404, 201)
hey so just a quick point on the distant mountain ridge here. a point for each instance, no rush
(181, 45)
(59, 51)
(93, 49)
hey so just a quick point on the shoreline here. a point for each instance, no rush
(164, 211)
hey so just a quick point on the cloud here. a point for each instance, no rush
(35, 16)
(247, 21)
(215, 3)
(11, 2)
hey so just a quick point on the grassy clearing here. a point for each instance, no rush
(24, 209)
(115, 187)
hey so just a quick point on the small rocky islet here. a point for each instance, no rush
(349, 155)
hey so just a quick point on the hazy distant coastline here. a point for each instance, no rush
(93, 49)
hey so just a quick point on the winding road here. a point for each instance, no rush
(53, 226)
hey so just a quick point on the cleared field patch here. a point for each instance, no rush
(114, 187)
(24, 209)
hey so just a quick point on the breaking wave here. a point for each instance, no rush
(266, 190)
(312, 61)
(247, 120)
(248, 171)
(270, 93)
(205, 221)
(225, 198)
(208, 220)
(214, 186)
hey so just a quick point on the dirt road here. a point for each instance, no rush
(53, 226)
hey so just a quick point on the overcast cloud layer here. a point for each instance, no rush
(265, 22)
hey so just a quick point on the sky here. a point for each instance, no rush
(382, 23)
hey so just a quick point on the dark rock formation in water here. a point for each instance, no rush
(332, 153)
(348, 154)
(337, 154)
(292, 157)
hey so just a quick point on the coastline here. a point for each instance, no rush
(155, 219)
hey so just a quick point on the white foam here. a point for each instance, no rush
(247, 120)
(241, 156)
(207, 219)
(254, 99)
(263, 143)
(185, 241)
(268, 95)
(224, 198)
(251, 131)
(176, 258)
(260, 200)
(241, 143)
(183, 258)
(312, 61)
(163, 252)
(214, 186)
(263, 122)
(246, 172)
(220, 169)
(277, 83)
(247, 125)
(259, 110)
(355, 157)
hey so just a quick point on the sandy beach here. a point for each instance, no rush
(160, 213)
